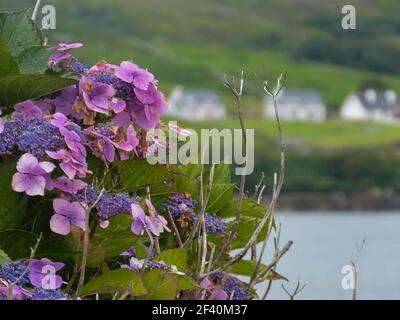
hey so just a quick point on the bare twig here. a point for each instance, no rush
(299, 288)
(175, 228)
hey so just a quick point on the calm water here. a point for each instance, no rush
(325, 242)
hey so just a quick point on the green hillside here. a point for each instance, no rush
(196, 42)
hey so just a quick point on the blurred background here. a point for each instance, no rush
(340, 110)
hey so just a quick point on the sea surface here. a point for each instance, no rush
(324, 242)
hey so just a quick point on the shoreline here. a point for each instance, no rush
(370, 200)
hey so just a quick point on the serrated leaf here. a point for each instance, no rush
(24, 41)
(115, 281)
(14, 89)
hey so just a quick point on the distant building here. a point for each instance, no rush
(297, 105)
(372, 104)
(195, 105)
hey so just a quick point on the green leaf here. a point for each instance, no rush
(161, 285)
(14, 89)
(8, 65)
(221, 195)
(115, 281)
(177, 257)
(33, 60)
(136, 174)
(25, 41)
(3, 257)
(246, 268)
(247, 225)
(13, 204)
(18, 243)
(249, 208)
(117, 238)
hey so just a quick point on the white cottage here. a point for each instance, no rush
(297, 105)
(195, 105)
(372, 104)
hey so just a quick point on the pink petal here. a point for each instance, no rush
(47, 166)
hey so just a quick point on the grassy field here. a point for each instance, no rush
(329, 135)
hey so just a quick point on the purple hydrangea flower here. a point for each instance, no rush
(67, 214)
(128, 144)
(65, 101)
(74, 141)
(72, 163)
(96, 95)
(131, 73)
(43, 294)
(42, 273)
(103, 146)
(67, 185)
(142, 223)
(213, 224)
(11, 271)
(232, 286)
(179, 204)
(151, 107)
(213, 292)
(66, 46)
(27, 110)
(32, 175)
(108, 205)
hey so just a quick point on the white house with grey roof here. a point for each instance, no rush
(195, 105)
(297, 105)
(371, 104)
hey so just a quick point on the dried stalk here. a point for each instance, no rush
(86, 241)
(12, 284)
(237, 93)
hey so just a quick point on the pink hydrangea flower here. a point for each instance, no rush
(32, 176)
(67, 214)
